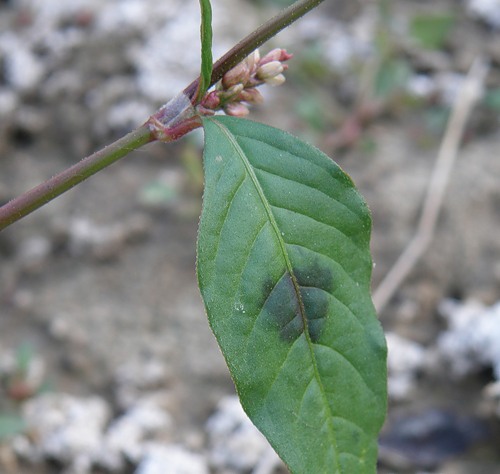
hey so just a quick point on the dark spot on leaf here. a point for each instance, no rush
(315, 302)
(282, 307)
(267, 287)
(286, 309)
(311, 271)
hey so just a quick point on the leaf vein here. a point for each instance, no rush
(251, 247)
(257, 316)
(338, 264)
(319, 222)
(336, 201)
(350, 363)
(226, 213)
(285, 150)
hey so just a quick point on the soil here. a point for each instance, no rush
(87, 307)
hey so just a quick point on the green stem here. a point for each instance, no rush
(50, 189)
(45, 192)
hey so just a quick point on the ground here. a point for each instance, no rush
(105, 276)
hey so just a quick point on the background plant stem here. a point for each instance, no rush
(35, 198)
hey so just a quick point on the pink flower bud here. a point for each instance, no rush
(277, 54)
(211, 101)
(273, 55)
(240, 74)
(268, 70)
(276, 80)
(252, 61)
(285, 56)
(251, 96)
(236, 109)
(231, 93)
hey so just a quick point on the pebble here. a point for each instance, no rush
(171, 459)
(125, 439)
(234, 442)
(8, 101)
(405, 359)
(492, 397)
(34, 252)
(143, 378)
(425, 440)
(23, 70)
(486, 10)
(104, 242)
(66, 428)
(471, 342)
(78, 433)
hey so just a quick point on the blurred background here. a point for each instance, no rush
(107, 363)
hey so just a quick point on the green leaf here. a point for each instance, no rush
(491, 99)
(11, 425)
(284, 269)
(206, 48)
(431, 30)
(392, 76)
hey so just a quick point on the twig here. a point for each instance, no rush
(255, 39)
(445, 160)
(31, 200)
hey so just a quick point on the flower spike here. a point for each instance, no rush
(238, 87)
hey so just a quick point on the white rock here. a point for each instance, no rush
(126, 436)
(8, 101)
(143, 373)
(492, 394)
(235, 443)
(73, 431)
(487, 10)
(103, 242)
(340, 43)
(128, 114)
(34, 251)
(8, 363)
(171, 459)
(66, 428)
(22, 69)
(472, 340)
(421, 85)
(404, 359)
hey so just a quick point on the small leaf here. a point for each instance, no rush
(491, 99)
(206, 48)
(431, 30)
(11, 425)
(284, 269)
(392, 77)
(24, 357)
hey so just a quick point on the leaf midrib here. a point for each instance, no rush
(288, 263)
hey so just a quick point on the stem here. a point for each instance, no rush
(436, 190)
(250, 43)
(35, 198)
(53, 187)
